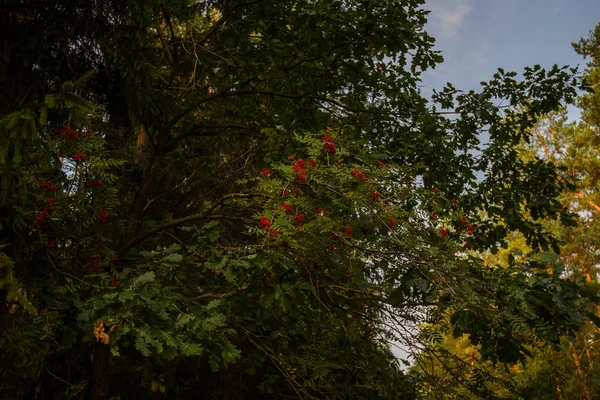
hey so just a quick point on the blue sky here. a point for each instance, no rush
(478, 36)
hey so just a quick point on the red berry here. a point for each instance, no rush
(264, 222)
(392, 221)
(330, 148)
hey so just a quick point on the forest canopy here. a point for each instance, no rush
(252, 199)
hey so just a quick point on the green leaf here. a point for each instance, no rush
(191, 349)
(230, 353)
(175, 257)
(114, 350)
(84, 316)
(125, 295)
(546, 256)
(183, 319)
(144, 278)
(110, 296)
(142, 346)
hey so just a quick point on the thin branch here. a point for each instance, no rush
(185, 181)
(225, 17)
(590, 203)
(62, 272)
(59, 378)
(196, 132)
(543, 142)
(219, 295)
(308, 96)
(176, 222)
(233, 196)
(455, 112)
(278, 362)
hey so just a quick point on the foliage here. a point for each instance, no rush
(249, 198)
(566, 371)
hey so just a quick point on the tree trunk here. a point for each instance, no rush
(98, 388)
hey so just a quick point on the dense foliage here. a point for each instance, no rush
(251, 198)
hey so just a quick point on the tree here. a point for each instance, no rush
(246, 197)
(566, 371)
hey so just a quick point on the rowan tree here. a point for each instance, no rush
(251, 198)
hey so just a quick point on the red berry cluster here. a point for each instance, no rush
(358, 174)
(312, 163)
(392, 221)
(470, 229)
(328, 144)
(331, 248)
(263, 222)
(114, 283)
(321, 211)
(48, 186)
(67, 132)
(94, 183)
(300, 168)
(374, 197)
(102, 215)
(79, 157)
(299, 217)
(267, 172)
(44, 216)
(444, 233)
(95, 263)
(349, 231)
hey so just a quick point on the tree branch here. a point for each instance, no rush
(196, 132)
(225, 17)
(176, 222)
